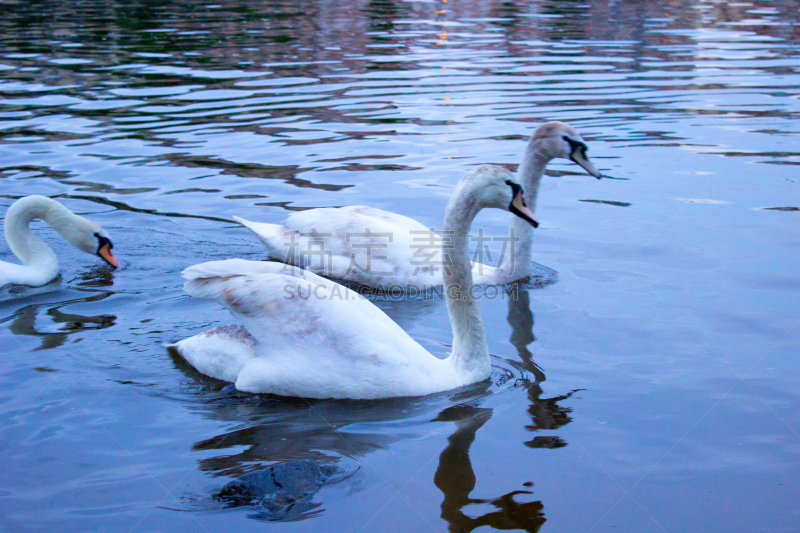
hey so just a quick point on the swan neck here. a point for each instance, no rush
(470, 355)
(29, 248)
(529, 174)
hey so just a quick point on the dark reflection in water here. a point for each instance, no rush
(545, 413)
(97, 276)
(455, 476)
(284, 429)
(456, 479)
(24, 321)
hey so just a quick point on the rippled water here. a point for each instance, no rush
(669, 339)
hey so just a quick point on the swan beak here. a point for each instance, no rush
(105, 253)
(519, 208)
(579, 156)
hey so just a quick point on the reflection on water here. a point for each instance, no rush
(545, 413)
(456, 479)
(273, 114)
(284, 429)
(60, 325)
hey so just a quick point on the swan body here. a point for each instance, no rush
(386, 251)
(306, 336)
(356, 244)
(39, 263)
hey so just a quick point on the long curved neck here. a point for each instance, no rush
(39, 260)
(529, 175)
(470, 355)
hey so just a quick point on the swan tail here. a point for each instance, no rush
(272, 235)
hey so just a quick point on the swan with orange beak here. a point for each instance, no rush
(39, 263)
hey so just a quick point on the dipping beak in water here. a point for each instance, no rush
(104, 251)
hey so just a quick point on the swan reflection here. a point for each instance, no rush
(281, 431)
(456, 479)
(286, 429)
(455, 476)
(545, 413)
(59, 325)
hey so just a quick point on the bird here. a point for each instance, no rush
(379, 249)
(302, 335)
(39, 263)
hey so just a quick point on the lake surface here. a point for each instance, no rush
(648, 382)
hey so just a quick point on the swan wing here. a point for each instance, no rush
(272, 235)
(315, 338)
(356, 243)
(340, 220)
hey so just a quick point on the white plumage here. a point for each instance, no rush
(304, 335)
(375, 261)
(39, 263)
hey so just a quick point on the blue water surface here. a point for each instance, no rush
(648, 383)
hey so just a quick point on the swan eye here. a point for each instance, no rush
(576, 146)
(102, 241)
(516, 189)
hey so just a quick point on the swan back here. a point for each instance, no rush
(295, 302)
(362, 244)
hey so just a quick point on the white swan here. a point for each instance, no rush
(306, 336)
(39, 263)
(353, 243)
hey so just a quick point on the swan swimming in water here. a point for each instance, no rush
(350, 233)
(39, 263)
(306, 336)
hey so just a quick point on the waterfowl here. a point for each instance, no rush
(306, 336)
(39, 263)
(382, 250)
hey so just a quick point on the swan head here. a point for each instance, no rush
(559, 140)
(89, 237)
(518, 205)
(492, 186)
